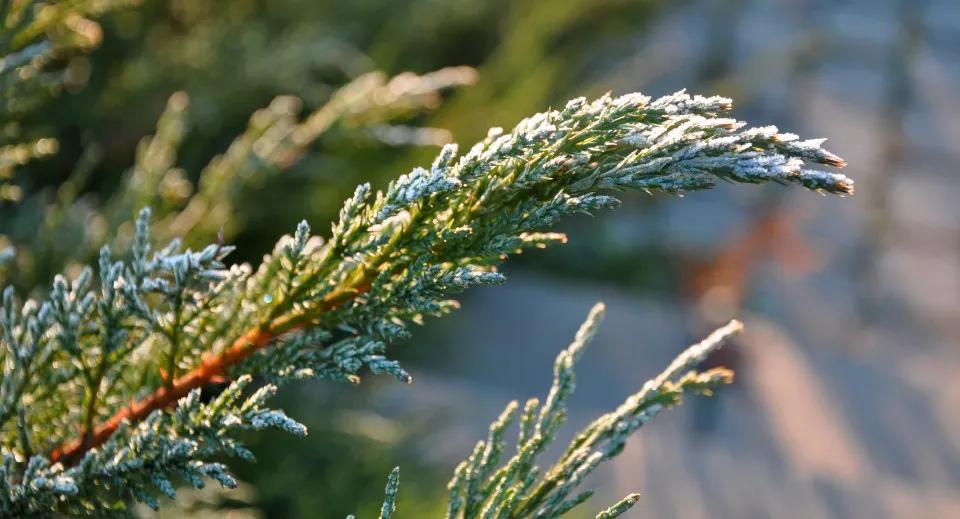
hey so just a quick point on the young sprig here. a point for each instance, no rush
(487, 486)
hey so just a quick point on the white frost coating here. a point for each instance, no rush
(279, 420)
(328, 308)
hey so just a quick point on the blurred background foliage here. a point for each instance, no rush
(237, 118)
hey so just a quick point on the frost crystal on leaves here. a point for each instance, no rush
(99, 397)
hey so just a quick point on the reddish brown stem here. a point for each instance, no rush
(210, 368)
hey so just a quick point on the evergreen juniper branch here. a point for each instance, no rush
(327, 308)
(512, 491)
(526, 170)
(273, 141)
(481, 490)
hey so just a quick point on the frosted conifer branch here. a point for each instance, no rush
(620, 507)
(390, 494)
(274, 140)
(111, 361)
(483, 486)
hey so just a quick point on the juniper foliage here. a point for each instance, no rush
(100, 401)
(484, 485)
(276, 138)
